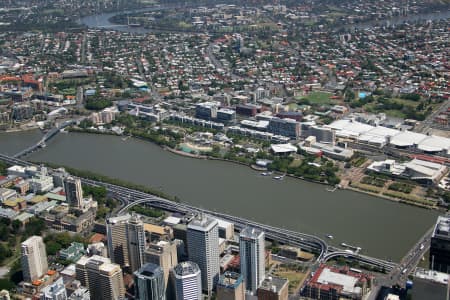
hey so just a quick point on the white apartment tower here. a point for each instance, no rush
(203, 249)
(252, 253)
(34, 258)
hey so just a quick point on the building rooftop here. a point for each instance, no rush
(442, 228)
(223, 223)
(250, 232)
(230, 280)
(171, 220)
(155, 229)
(109, 268)
(432, 275)
(202, 223)
(283, 148)
(344, 280)
(119, 219)
(13, 202)
(149, 270)
(186, 268)
(23, 217)
(347, 282)
(274, 284)
(85, 259)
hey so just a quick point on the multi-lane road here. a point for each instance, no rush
(400, 273)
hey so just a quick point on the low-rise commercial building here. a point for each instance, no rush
(273, 288)
(72, 253)
(335, 284)
(419, 170)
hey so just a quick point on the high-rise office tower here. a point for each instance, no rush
(187, 281)
(55, 291)
(74, 192)
(105, 280)
(116, 231)
(34, 258)
(252, 254)
(203, 249)
(136, 242)
(163, 254)
(440, 245)
(149, 283)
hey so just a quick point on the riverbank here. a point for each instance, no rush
(107, 179)
(352, 188)
(28, 128)
(398, 200)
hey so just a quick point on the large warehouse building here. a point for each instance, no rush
(379, 136)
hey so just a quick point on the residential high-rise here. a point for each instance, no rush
(230, 286)
(74, 192)
(252, 254)
(163, 254)
(440, 246)
(136, 242)
(116, 231)
(187, 281)
(105, 280)
(34, 258)
(149, 283)
(55, 291)
(203, 249)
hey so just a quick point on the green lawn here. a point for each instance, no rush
(395, 113)
(319, 98)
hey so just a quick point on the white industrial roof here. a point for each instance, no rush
(425, 168)
(346, 281)
(374, 139)
(434, 144)
(427, 164)
(172, 220)
(378, 135)
(407, 138)
(350, 126)
(283, 148)
(383, 131)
